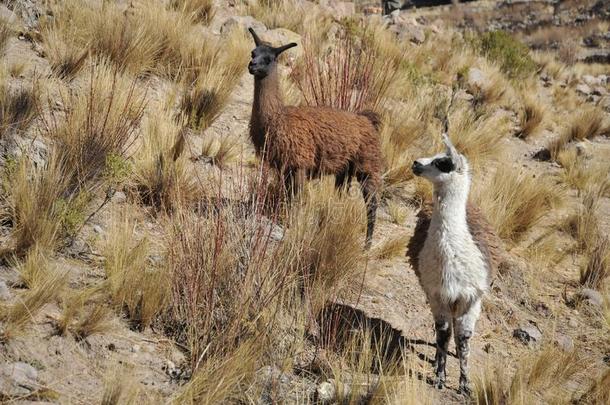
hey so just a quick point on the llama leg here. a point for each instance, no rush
(343, 179)
(369, 192)
(464, 330)
(442, 327)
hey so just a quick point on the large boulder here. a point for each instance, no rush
(242, 23)
(17, 380)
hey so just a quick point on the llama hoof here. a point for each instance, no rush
(465, 389)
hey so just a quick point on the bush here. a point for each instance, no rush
(512, 56)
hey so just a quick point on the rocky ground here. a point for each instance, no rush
(525, 311)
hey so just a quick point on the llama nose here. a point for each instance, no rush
(417, 168)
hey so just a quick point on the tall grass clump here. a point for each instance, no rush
(289, 14)
(135, 284)
(102, 120)
(32, 202)
(542, 376)
(207, 94)
(511, 55)
(5, 34)
(587, 123)
(349, 76)
(160, 172)
(531, 115)
(513, 203)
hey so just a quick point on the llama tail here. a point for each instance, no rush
(373, 117)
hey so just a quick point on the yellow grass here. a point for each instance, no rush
(393, 246)
(514, 202)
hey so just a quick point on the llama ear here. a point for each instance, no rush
(283, 48)
(257, 40)
(451, 151)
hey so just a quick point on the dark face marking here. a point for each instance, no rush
(444, 164)
(263, 58)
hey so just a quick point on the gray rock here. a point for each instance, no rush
(591, 80)
(583, 89)
(119, 197)
(476, 78)
(5, 293)
(98, 229)
(565, 342)
(592, 297)
(528, 333)
(282, 36)
(17, 379)
(407, 29)
(342, 9)
(326, 392)
(243, 23)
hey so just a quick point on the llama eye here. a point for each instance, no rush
(445, 164)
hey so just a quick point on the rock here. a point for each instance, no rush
(592, 297)
(283, 36)
(476, 78)
(98, 229)
(119, 197)
(583, 89)
(5, 293)
(406, 29)
(243, 23)
(599, 91)
(342, 9)
(572, 323)
(565, 342)
(528, 333)
(290, 388)
(326, 392)
(543, 155)
(17, 379)
(582, 149)
(591, 80)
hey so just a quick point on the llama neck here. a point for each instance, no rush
(450, 202)
(266, 105)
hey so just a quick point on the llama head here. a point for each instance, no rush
(264, 56)
(444, 167)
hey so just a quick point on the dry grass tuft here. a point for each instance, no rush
(598, 392)
(513, 203)
(120, 388)
(102, 120)
(582, 174)
(391, 247)
(15, 317)
(287, 14)
(205, 97)
(160, 173)
(199, 10)
(32, 202)
(531, 115)
(66, 61)
(135, 284)
(397, 212)
(18, 107)
(6, 32)
(543, 375)
(597, 268)
(588, 123)
(220, 150)
(349, 76)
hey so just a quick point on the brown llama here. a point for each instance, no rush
(302, 141)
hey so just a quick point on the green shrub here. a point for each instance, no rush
(512, 56)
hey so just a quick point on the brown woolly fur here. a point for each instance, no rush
(482, 233)
(313, 141)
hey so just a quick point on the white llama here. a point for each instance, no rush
(452, 256)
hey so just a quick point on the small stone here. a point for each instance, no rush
(528, 333)
(583, 89)
(17, 379)
(592, 297)
(135, 348)
(476, 78)
(565, 342)
(119, 197)
(5, 292)
(326, 392)
(572, 323)
(111, 347)
(98, 229)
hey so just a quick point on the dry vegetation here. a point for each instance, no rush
(211, 260)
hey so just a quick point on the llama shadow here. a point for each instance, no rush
(340, 325)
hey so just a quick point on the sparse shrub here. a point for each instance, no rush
(66, 60)
(510, 54)
(514, 202)
(597, 268)
(350, 76)
(582, 174)
(221, 150)
(102, 120)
